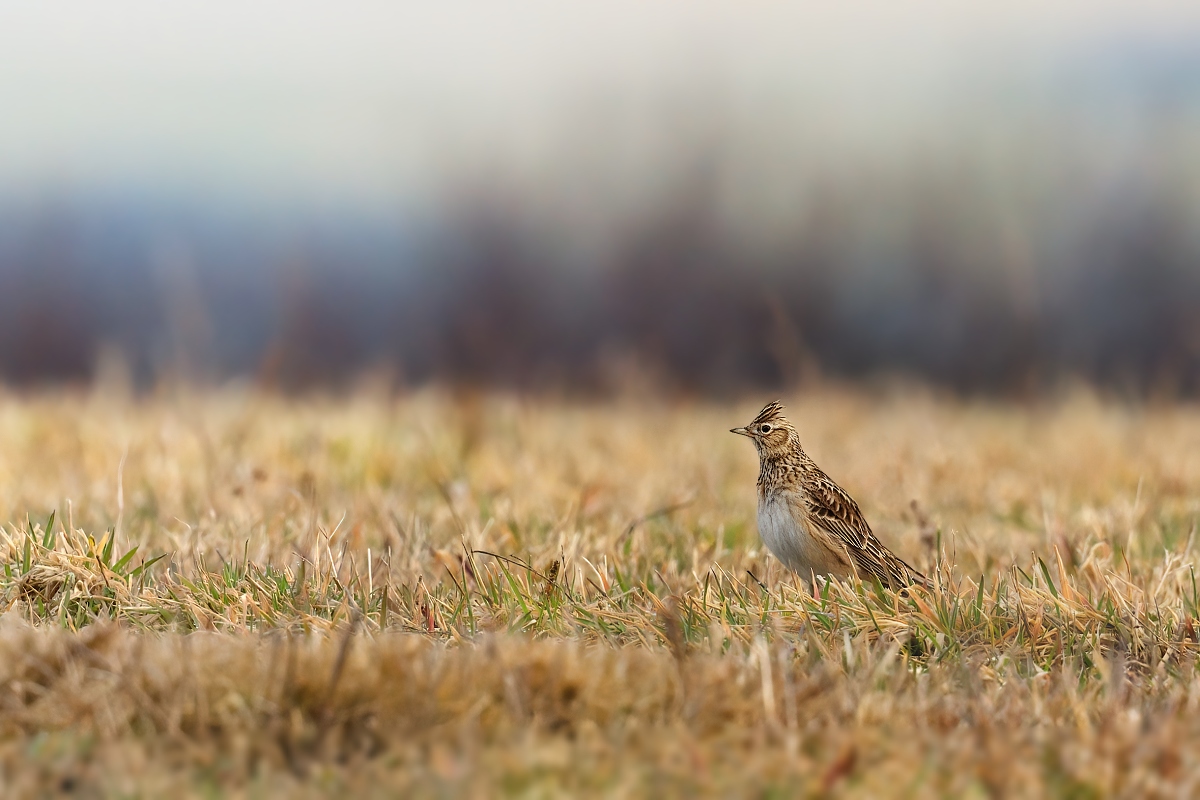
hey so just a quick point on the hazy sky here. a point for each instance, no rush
(384, 97)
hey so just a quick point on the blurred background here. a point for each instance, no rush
(716, 198)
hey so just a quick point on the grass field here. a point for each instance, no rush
(234, 593)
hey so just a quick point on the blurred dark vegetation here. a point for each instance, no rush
(954, 295)
(989, 203)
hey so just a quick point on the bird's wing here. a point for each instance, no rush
(830, 507)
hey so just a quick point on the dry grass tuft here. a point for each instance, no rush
(237, 592)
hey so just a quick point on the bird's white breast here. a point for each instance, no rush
(780, 531)
(786, 533)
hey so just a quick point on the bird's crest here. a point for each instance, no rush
(771, 412)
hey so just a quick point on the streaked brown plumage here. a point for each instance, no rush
(809, 522)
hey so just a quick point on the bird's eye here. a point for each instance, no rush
(764, 428)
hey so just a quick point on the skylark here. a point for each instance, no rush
(809, 522)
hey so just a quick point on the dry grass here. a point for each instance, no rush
(452, 595)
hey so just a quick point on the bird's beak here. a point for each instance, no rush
(741, 431)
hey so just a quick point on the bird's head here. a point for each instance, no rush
(771, 432)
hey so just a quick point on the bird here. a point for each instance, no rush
(806, 520)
